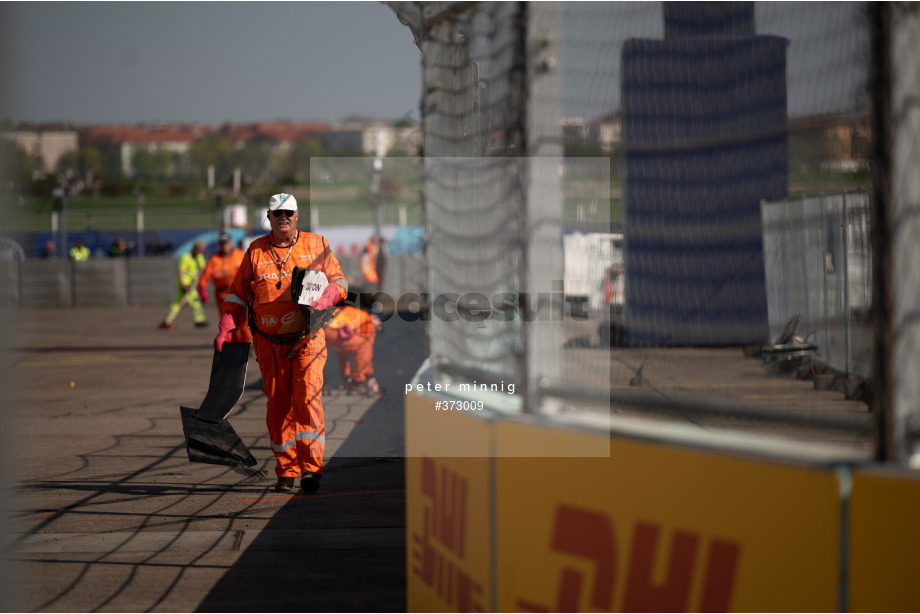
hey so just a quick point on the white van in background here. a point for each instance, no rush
(595, 280)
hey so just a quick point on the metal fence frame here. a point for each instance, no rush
(140, 225)
(121, 282)
(818, 266)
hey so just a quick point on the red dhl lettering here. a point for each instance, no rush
(590, 536)
(440, 549)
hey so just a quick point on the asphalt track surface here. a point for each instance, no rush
(108, 514)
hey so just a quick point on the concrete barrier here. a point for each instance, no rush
(100, 283)
(151, 281)
(145, 281)
(9, 282)
(44, 283)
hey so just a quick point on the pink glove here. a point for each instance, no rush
(329, 298)
(345, 333)
(229, 322)
(203, 293)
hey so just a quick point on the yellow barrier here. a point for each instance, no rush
(662, 528)
(447, 510)
(499, 520)
(884, 541)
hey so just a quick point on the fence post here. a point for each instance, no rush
(221, 223)
(886, 444)
(825, 287)
(846, 283)
(60, 219)
(141, 247)
(542, 249)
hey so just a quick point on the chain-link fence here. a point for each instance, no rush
(326, 216)
(130, 218)
(150, 231)
(473, 193)
(697, 112)
(159, 229)
(700, 112)
(900, 248)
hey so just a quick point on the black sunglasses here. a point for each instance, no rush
(280, 212)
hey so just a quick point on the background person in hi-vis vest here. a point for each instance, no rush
(191, 264)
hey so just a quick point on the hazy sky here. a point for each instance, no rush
(826, 54)
(211, 62)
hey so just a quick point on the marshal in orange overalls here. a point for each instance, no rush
(293, 387)
(220, 270)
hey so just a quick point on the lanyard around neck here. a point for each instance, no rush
(279, 262)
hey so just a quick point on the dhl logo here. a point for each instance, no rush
(588, 536)
(440, 549)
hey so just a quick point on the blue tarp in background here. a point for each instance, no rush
(704, 125)
(156, 242)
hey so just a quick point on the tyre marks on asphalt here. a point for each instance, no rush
(304, 496)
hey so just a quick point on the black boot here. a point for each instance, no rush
(284, 485)
(309, 482)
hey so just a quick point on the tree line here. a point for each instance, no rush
(102, 169)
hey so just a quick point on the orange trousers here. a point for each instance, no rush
(241, 334)
(294, 388)
(359, 347)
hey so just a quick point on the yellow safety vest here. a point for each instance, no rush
(79, 254)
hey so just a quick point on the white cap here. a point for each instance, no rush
(282, 201)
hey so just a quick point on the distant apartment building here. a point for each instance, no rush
(830, 142)
(344, 137)
(603, 133)
(409, 139)
(366, 136)
(46, 144)
(825, 142)
(276, 135)
(175, 138)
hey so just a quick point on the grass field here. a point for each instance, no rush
(343, 200)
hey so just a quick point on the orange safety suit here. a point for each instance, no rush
(369, 263)
(293, 386)
(359, 345)
(221, 270)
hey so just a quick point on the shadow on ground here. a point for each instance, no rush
(343, 548)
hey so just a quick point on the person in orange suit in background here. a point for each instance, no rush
(220, 270)
(351, 334)
(368, 263)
